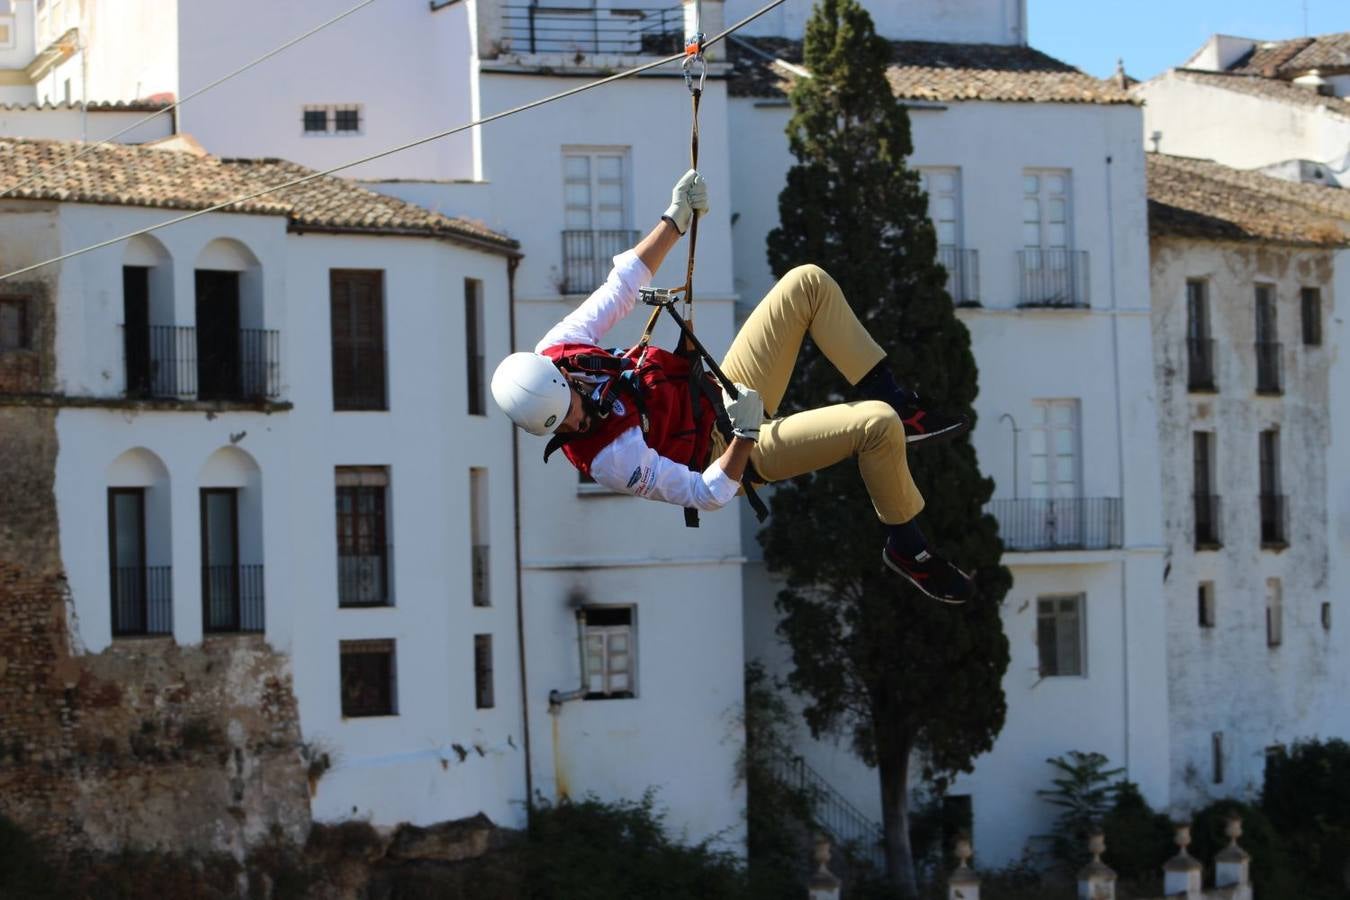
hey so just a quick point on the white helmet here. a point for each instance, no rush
(532, 391)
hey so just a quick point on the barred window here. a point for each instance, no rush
(362, 536)
(316, 120)
(367, 673)
(357, 316)
(1312, 316)
(347, 119)
(482, 671)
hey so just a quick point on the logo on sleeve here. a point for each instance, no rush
(637, 476)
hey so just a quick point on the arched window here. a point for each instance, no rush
(140, 548)
(230, 490)
(237, 357)
(154, 351)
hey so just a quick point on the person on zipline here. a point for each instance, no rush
(633, 427)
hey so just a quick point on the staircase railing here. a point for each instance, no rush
(844, 821)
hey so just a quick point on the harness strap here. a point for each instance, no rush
(723, 425)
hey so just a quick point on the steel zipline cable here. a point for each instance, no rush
(41, 174)
(295, 182)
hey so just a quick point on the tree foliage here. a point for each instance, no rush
(875, 659)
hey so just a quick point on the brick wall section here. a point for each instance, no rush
(146, 744)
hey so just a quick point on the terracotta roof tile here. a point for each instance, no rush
(146, 106)
(1270, 88)
(140, 176)
(1288, 59)
(1200, 198)
(933, 71)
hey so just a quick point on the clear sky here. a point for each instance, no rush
(1152, 35)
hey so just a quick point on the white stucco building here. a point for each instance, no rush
(273, 428)
(1247, 275)
(1249, 103)
(1046, 241)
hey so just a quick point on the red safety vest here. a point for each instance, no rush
(675, 429)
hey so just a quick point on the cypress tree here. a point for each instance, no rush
(873, 658)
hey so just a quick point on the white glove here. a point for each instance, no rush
(689, 196)
(746, 412)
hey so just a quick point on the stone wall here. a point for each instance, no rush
(146, 744)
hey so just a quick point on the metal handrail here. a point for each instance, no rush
(963, 274)
(1053, 276)
(1058, 523)
(142, 600)
(831, 810)
(232, 599)
(533, 28)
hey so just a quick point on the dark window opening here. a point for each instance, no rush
(357, 310)
(1059, 635)
(347, 119)
(482, 671)
(362, 536)
(1268, 368)
(1312, 316)
(1272, 502)
(1199, 344)
(1206, 501)
(316, 120)
(473, 351)
(142, 600)
(136, 330)
(15, 331)
(1205, 598)
(1216, 753)
(367, 674)
(219, 360)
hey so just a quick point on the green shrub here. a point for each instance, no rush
(1138, 839)
(25, 873)
(1307, 797)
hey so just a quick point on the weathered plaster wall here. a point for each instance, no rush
(145, 743)
(1225, 679)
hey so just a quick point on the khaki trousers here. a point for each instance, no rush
(808, 301)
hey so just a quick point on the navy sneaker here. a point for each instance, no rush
(924, 426)
(931, 574)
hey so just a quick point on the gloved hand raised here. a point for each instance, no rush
(746, 412)
(689, 196)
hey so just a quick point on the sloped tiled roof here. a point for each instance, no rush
(95, 105)
(933, 71)
(1288, 59)
(1199, 198)
(1270, 88)
(139, 176)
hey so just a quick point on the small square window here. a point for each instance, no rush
(482, 671)
(316, 121)
(1059, 635)
(1206, 602)
(610, 649)
(367, 673)
(14, 328)
(347, 118)
(6, 32)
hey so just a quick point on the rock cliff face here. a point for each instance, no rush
(146, 744)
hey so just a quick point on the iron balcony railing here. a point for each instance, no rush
(363, 578)
(963, 274)
(1274, 520)
(1200, 364)
(588, 257)
(1065, 523)
(170, 361)
(1053, 277)
(1268, 368)
(844, 822)
(481, 597)
(142, 600)
(232, 599)
(1207, 533)
(584, 29)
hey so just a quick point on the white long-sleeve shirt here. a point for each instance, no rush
(627, 464)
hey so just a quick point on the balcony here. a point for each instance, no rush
(585, 30)
(588, 256)
(1053, 277)
(1268, 368)
(1274, 521)
(142, 600)
(1200, 364)
(1207, 534)
(963, 274)
(1071, 523)
(177, 362)
(363, 578)
(232, 599)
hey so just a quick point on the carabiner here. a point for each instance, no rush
(693, 53)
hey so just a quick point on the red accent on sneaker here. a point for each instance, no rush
(914, 423)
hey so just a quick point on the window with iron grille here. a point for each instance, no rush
(1273, 513)
(1311, 305)
(347, 119)
(1274, 613)
(363, 537)
(1060, 634)
(595, 215)
(478, 536)
(1205, 598)
(611, 670)
(482, 671)
(1199, 343)
(15, 333)
(1206, 502)
(316, 120)
(1268, 347)
(367, 673)
(473, 345)
(357, 310)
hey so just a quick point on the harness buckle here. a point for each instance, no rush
(656, 296)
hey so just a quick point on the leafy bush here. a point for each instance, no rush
(1086, 791)
(1307, 797)
(25, 873)
(1138, 839)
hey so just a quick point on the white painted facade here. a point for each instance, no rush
(1100, 357)
(1237, 688)
(403, 767)
(956, 21)
(1243, 130)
